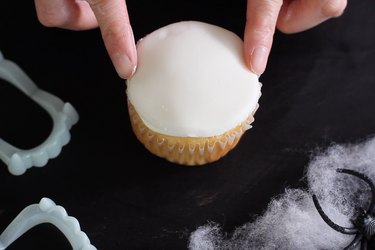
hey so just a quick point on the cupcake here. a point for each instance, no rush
(191, 97)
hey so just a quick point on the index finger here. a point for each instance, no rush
(113, 20)
(261, 18)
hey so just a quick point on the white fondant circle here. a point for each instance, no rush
(191, 81)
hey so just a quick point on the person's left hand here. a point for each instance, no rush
(289, 16)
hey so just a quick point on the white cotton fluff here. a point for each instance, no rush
(291, 220)
(341, 190)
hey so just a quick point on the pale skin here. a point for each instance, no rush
(263, 17)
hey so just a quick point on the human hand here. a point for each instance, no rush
(110, 15)
(289, 16)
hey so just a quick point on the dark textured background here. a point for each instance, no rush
(319, 88)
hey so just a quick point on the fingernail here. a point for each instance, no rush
(289, 12)
(258, 59)
(124, 66)
(332, 8)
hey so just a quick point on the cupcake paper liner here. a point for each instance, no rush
(188, 150)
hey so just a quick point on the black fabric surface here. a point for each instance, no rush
(318, 89)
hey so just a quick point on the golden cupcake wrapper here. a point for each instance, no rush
(187, 150)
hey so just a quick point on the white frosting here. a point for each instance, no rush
(191, 81)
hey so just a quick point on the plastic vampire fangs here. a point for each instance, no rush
(63, 115)
(364, 225)
(46, 212)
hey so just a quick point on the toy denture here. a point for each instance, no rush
(46, 212)
(63, 115)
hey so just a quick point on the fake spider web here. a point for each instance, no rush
(291, 220)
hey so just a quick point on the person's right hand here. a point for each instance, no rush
(110, 15)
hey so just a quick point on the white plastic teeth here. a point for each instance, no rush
(63, 115)
(46, 212)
